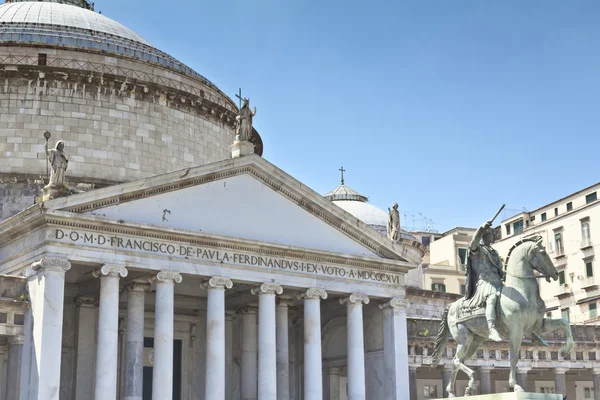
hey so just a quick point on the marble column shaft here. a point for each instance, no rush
(355, 345)
(87, 313)
(47, 293)
(446, 374)
(249, 362)
(267, 347)
(485, 380)
(134, 340)
(331, 389)
(596, 377)
(15, 351)
(164, 313)
(108, 331)
(522, 378)
(412, 372)
(560, 382)
(396, 383)
(215, 338)
(313, 371)
(283, 351)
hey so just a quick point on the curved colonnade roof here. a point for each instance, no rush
(63, 25)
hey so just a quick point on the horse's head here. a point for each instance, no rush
(541, 261)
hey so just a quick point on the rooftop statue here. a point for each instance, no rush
(393, 226)
(58, 163)
(243, 129)
(492, 308)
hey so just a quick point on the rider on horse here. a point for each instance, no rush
(484, 277)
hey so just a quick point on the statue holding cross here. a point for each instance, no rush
(243, 129)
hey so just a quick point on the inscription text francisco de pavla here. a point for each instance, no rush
(222, 256)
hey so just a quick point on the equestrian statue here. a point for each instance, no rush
(499, 303)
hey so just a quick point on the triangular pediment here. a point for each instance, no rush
(244, 198)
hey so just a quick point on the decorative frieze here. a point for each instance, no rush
(267, 288)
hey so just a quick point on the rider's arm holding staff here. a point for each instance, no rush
(478, 234)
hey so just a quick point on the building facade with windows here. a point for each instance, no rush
(567, 227)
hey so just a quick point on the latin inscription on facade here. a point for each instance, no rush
(223, 256)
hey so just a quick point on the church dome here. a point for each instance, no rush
(60, 24)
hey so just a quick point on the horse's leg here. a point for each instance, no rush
(550, 325)
(515, 337)
(472, 348)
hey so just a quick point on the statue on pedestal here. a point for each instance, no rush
(490, 308)
(393, 226)
(243, 129)
(58, 163)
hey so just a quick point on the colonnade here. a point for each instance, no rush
(265, 351)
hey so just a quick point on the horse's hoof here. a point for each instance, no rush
(451, 395)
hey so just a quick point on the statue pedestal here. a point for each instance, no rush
(514, 396)
(241, 148)
(53, 192)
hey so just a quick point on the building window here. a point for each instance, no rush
(588, 392)
(558, 241)
(518, 226)
(543, 216)
(585, 233)
(462, 255)
(556, 212)
(564, 313)
(42, 59)
(425, 240)
(548, 314)
(570, 206)
(546, 389)
(430, 392)
(438, 287)
(593, 311)
(507, 229)
(561, 277)
(589, 269)
(463, 289)
(591, 197)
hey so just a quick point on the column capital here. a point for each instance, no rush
(560, 371)
(86, 302)
(218, 282)
(137, 286)
(52, 264)
(16, 340)
(334, 370)
(313, 294)
(247, 309)
(230, 315)
(285, 301)
(355, 298)
(267, 288)
(397, 304)
(168, 276)
(110, 270)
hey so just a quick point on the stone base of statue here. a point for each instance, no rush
(241, 148)
(513, 396)
(54, 192)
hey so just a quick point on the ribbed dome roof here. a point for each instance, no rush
(343, 192)
(64, 25)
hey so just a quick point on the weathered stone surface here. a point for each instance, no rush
(514, 396)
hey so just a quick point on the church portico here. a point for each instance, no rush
(155, 309)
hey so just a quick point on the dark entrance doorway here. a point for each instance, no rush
(147, 393)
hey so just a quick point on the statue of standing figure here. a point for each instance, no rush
(393, 226)
(58, 163)
(243, 130)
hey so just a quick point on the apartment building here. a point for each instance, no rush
(567, 228)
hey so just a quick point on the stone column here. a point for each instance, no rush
(15, 351)
(3, 371)
(331, 385)
(283, 351)
(87, 312)
(215, 338)
(522, 377)
(47, 294)
(313, 371)
(412, 373)
(164, 312)
(108, 331)
(446, 374)
(356, 345)
(395, 351)
(249, 363)
(560, 382)
(267, 347)
(229, 318)
(134, 340)
(596, 377)
(485, 380)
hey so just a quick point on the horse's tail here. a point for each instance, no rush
(441, 340)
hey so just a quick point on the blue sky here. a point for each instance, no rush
(448, 108)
